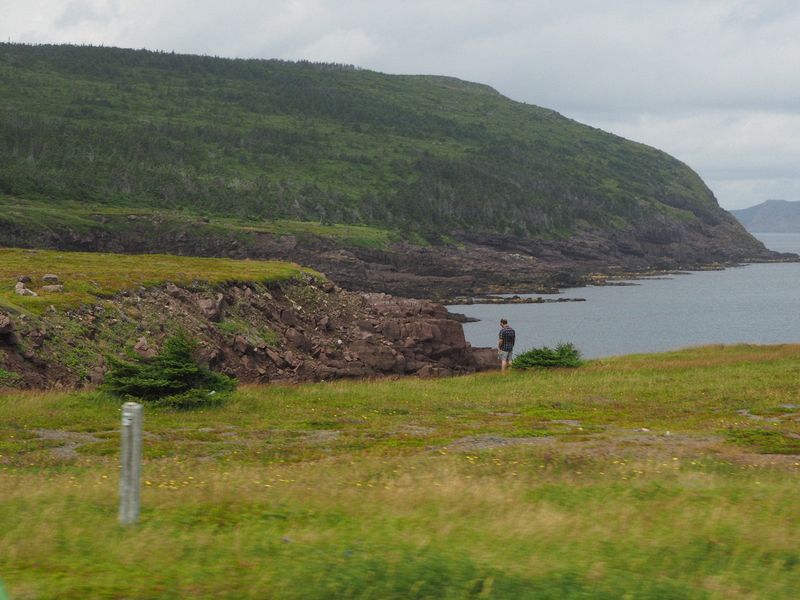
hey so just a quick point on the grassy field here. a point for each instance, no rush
(661, 476)
(79, 217)
(89, 276)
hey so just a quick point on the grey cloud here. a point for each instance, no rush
(83, 12)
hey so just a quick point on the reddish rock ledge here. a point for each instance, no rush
(297, 331)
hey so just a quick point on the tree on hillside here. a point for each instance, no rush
(172, 377)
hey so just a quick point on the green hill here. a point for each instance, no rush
(270, 139)
(138, 151)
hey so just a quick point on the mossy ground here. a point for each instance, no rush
(644, 476)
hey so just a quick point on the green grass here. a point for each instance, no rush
(255, 335)
(81, 218)
(354, 235)
(7, 378)
(618, 479)
(768, 441)
(90, 276)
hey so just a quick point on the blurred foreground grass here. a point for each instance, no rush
(658, 476)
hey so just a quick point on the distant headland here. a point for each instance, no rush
(772, 216)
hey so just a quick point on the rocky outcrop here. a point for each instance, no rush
(21, 289)
(52, 284)
(300, 331)
(478, 264)
(6, 326)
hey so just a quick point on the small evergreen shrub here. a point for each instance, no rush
(173, 377)
(563, 355)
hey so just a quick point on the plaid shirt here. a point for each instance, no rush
(507, 337)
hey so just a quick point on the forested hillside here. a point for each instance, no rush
(270, 139)
(393, 183)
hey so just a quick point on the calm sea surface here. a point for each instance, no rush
(755, 304)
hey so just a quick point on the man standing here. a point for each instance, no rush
(505, 344)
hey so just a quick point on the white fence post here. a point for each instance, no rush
(131, 457)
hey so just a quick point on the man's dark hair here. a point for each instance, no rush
(503, 322)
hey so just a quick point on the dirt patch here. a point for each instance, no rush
(746, 413)
(415, 430)
(71, 441)
(632, 445)
(322, 436)
(599, 401)
(488, 442)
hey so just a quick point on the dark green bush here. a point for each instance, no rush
(173, 377)
(564, 355)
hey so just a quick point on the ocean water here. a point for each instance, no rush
(757, 303)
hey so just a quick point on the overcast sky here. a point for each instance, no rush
(715, 83)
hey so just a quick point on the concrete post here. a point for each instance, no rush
(131, 456)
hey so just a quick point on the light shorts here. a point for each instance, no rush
(504, 355)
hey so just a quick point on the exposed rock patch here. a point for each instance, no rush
(70, 440)
(22, 290)
(299, 331)
(143, 348)
(6, 324)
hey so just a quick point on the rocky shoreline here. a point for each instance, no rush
(473, 265)
(361, 323)
(515, 299)
(301, 331)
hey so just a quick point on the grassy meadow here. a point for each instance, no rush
(82, 218)
(653, 476)
(90, 276)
